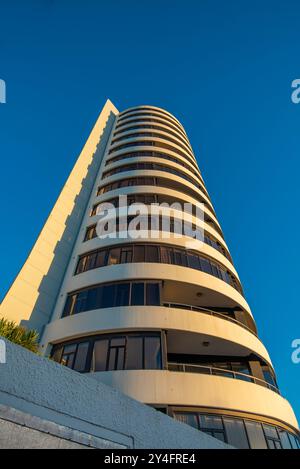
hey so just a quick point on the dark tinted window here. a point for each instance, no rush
(152, 294)
(137, 294)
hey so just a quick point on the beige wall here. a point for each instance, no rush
(192, 389)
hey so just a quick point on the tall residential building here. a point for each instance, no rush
(161, 318)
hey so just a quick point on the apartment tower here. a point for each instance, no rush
(161, 318)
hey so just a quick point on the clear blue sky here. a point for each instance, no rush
(224, 68)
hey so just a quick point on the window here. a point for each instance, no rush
(114, 256)
(152, 294)
(269, 376)
(285, 442)
(239, 432)
(156, 254)
(90, 233)
(72, 355)
(81, 355)
(126, 255)
(100, 355)
(255, 435)
(68, 309)
(294, 441)
(127, 352)
(188, 418)
(205, 266)
(101, 259)
(116, 353)
(112, 295)
(152, 353)
(272, 437)
(122, 295)
(212, 425)
(137, 294)
(193, 261)
(152, 254)
(109, 296)
(80, 304)
(236, 434)
(139, 253)
(132, 351)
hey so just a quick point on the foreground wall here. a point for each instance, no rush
(43, 404)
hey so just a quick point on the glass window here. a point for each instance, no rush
(165, 255)
(205, 266)
(101, 259)
(219, 435)
(270, 431)
(81, 356)
(285, 442)
(81, 265)
(293, 441)
(114, 256)
(139, 254)
(109, 296)
(117, 341)
(90, 261)
(116, 356)
(152, 353)
(93, 299)
(126, 255)
(255, 435)
(56, 353)
(193, 261)
(137, 294)
(236, 434)
(67, 360)
(69, 306)
(152, 254)
(210, 422)
(268, 376)
(122, 294)
(100, 355)
(240, 367)
(80, 304)
(134, 353)
(188, 418)
(152, 294)
(112, 356)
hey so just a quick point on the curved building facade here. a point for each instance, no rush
(160, 318)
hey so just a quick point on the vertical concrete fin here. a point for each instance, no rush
(33, 293)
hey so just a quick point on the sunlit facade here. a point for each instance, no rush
(162, 320)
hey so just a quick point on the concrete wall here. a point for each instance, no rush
(43, 404)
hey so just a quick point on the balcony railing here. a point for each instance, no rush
(200, 309)
(210, 370)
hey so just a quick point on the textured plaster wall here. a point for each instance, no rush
(43, 389)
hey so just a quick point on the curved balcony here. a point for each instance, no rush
(211, 370)
(148, 112)
(152, 133)
(147, 107)
(150, 125)
(163, 387)
(154, 164)
(210, 312)
(176, 182)
(187, 329)
(171, 194)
